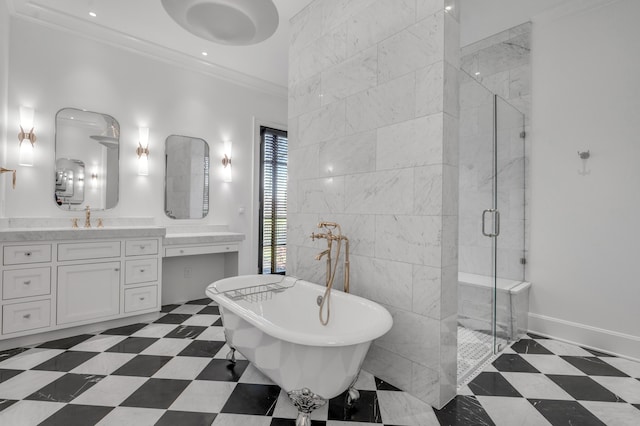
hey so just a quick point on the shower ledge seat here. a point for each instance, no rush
(475, 304)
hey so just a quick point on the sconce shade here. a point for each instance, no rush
(143, 136)
(143, 166)
(26, 118)
(26, 154)
(143, 151)
(226, 161)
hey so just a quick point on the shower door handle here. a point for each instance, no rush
(496, 222)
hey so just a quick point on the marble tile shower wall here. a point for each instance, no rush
(373, 145)
(502, 64)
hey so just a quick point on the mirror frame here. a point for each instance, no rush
(87, 174)
(207, 156)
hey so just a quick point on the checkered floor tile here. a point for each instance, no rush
(174, 372)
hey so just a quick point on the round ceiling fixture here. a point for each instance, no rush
(230, 22)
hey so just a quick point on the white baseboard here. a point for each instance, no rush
(619, 344)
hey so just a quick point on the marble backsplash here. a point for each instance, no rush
(65, 222)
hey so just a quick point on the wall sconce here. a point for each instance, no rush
(143, 153)
(226, 162)
(25, 157)
(94, 180)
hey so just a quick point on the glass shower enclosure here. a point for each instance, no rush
(491, 223)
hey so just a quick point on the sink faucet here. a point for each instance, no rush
(87, 217)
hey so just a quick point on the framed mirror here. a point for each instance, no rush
(186, 189)
(87, 154)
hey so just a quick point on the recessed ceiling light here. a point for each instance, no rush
(477, 73)
(448, 8)
(204, 53)
(92, 14)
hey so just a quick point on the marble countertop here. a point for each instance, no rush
(55, 234)
(215, 237)
(14, 230)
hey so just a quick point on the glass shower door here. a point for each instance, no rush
(510, 162)
(491, 222)
(477, 201)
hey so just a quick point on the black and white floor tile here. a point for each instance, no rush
(174, 372)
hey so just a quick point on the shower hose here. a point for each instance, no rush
(326, 299)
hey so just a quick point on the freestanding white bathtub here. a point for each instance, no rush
(273, 321)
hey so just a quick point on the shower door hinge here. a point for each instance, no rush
(523, 260)
(523, 134)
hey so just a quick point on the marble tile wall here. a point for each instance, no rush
(500, 64)
(373, 140)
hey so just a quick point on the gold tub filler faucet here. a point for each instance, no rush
(329, 234)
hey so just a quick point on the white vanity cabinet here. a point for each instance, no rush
(88, 291)
(26, 287)
(73, 281)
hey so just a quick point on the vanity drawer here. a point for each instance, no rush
(140, 298)
(26, 282)
(194, 250)
(26, 316)
(35, 253)
(141, 247)
(141, 271)
(97, 250)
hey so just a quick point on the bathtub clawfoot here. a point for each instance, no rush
(231, 356)
(352, 396)
(305, 401)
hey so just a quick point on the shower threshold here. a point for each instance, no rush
(475, 350)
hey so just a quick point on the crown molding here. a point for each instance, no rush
(70, 24)
(569, 9)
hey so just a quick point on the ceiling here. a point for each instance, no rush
(144, 26)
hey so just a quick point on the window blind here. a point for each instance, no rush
(273, 201)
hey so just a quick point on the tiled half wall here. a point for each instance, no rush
(373, 140)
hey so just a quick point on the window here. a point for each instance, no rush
(272, 253)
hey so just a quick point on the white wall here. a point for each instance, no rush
(585, 233)
(5, 180)
(51, 69)
(483, 18)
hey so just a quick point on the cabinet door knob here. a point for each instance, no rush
(142, 298)
(141, 247)
(27, 282)
(27, 253)
(141, 270)
(181, 251)
(26, 316)
(116, 269)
